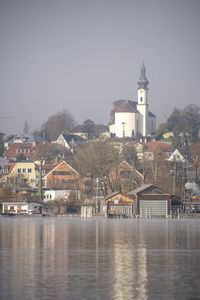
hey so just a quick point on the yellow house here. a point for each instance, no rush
(21, 174)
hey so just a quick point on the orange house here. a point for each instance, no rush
(62, 176)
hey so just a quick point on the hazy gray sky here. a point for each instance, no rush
(81, 55)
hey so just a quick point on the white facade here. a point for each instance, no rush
(142, 107)
(125, 122)
(177, 157)
(50, 195)
(61, 141)
(17, 208)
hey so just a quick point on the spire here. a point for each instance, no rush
(143, 82)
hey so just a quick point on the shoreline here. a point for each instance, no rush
(73, 216)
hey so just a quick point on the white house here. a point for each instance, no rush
(18, 208)
(131, 117)
(69, 140)
(177, 157)
(57, 194)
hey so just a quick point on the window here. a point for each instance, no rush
(19, 170)
(125, 174)
(29, 170)
(69, 173)
(24, 170)
(71, 181)
(60, 173)
(141, 99)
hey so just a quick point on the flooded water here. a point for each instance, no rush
(60, 258)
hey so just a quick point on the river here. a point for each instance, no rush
(63, 258)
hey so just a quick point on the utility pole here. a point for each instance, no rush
(40, 182)
(97, 193)
(174, 178)
(123, 131)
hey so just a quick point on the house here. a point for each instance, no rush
(57, 194)
(176, 156)
(69, 140)
(134, 117)
(62, 176)
(119, 205)
(16, 208)
(168, 135)
(17, 149)
(139, 147)
(45, 167)
(152, 148)
(22, 174)
(3, 162)
(125, 177)
(20, 139)
(151, 202)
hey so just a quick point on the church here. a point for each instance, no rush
(134, 117)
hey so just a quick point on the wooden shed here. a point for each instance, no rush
(119, 205)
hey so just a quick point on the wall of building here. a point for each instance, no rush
(152, 125)
(50, 195)
(64, 177)
(129, 119)
(26, 170)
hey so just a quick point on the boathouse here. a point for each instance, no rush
(119, 205)
(17, 208)
(150, 202)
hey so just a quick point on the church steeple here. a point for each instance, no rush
(143, 82)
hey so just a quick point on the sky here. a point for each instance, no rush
(82, 55)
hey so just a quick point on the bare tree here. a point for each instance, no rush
(56, 124)
(195, 151)
(97, 158)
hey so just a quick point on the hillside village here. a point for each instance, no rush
(125, 169)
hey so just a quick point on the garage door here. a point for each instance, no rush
(153, 208)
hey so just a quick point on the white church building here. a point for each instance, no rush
(132, 117)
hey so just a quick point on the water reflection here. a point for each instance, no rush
(48, 258)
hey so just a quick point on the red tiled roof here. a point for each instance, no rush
(8, 168)
(19, 148)
(48, 167)
(152, 146)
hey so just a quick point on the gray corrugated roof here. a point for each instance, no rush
(70, 137)
(140, 189)
(111, 195)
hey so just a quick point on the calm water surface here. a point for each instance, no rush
(60, 258)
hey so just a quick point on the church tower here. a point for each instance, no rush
(142, 104)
